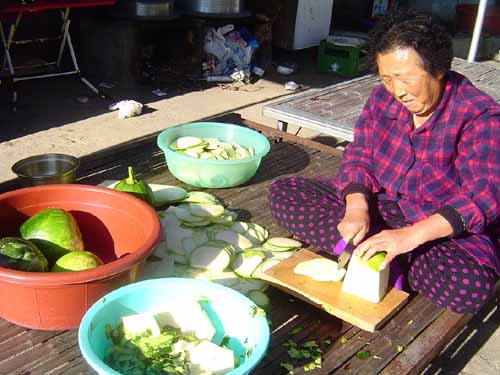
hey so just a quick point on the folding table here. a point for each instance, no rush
(16, 10)
(333, 110)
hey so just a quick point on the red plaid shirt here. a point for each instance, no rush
(449, 165)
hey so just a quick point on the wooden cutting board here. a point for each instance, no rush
(328, 296)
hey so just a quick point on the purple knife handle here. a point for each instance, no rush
(339, 247)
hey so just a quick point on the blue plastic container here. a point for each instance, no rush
(213, 173)
(230, 311)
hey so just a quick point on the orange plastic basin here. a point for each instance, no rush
(121, 229)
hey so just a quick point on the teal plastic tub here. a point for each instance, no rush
(213, 173)
(232, 313)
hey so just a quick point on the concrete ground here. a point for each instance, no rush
(51, 118)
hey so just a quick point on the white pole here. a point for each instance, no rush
(478, 26)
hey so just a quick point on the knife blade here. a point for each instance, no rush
(346, 253)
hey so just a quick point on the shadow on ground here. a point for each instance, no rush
(57, 101)
(467, 343)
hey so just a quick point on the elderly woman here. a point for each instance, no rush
(421, 180)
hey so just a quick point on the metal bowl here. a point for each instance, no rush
(144, 9)
(217, 8)
(46, 169)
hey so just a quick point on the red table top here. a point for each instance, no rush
(10, 6)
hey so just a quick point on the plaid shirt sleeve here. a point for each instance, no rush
(478, 165)
(355, 172)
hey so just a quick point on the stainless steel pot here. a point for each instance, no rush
(212, 6)
(46, 169)
(145, 9)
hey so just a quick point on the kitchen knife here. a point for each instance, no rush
(346, 249)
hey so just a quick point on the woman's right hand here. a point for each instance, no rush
(356, 222)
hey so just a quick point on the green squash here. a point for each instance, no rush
(54, 231)
(22, 255)
(77, 261)
(136, 187)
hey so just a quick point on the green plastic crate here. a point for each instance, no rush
(346, 61)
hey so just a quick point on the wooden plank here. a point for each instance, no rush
(396, 334)
(329, 297)
(381, 345)
(426, 346)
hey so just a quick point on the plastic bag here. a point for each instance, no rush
(127, 108)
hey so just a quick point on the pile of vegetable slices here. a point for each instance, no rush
(210, 148)
(204, 240)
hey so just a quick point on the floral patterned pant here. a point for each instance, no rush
(311, 208)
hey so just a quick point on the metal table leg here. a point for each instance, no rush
(282, 125)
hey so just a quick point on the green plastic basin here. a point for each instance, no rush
(213, 173)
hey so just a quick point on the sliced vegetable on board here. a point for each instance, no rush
(320, 269)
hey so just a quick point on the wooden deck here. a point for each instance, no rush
(333, 110)
(404, 345)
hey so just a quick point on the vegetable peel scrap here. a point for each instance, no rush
(363, 354)
(296, 330)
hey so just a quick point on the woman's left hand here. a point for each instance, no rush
(392, 241)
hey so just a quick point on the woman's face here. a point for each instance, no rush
(403, 75)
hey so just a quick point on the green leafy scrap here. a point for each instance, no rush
(257, 311)
(316, 363)
(363, 354)
(310, 344)
(290, 344)
(287, 366)
(145, 355)
(295, 353)
(309, 350)
(225, 341)
(296, 330)
(326, 342)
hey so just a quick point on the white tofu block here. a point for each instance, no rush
(207, 357)
(364, 282)
(189, 317)
(137, 324)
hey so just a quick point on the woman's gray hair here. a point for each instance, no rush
(411, 29)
